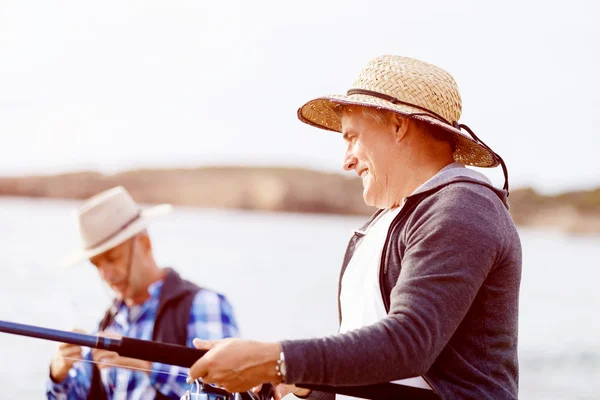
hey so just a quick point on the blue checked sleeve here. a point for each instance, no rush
(169, 380)
(211, 317)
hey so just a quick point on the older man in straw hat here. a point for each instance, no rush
(428, 295)
(151, 303)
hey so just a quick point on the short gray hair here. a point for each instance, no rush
(383, 116)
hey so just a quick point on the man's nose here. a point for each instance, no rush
(350, 161)
(106, 271)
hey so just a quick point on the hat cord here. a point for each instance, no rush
(500, 160)
(477, 140)
(137, 216)
(430, 113)
(394, 100)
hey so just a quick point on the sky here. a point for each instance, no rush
(112, 85)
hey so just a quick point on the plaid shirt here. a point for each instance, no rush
(211, 317)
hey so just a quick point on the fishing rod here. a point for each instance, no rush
(182, 356)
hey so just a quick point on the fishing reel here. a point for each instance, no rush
(203, 391)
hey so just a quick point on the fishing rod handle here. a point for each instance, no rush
(165, 353)
(186, 356)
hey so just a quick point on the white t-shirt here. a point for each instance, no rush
(360, 298)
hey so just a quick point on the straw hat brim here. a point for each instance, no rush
(320, 113)
(146, 216)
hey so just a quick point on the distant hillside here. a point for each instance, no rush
(286, 189)
(571, 212)
(276, 189)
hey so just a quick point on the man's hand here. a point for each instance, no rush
(108, 359)
(236, 365)
(283, 390)
(66, 355)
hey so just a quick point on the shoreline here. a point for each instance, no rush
(282, 189)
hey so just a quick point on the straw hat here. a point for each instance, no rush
(107, 220)
(411, 88)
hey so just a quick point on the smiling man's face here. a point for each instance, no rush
(370, 153)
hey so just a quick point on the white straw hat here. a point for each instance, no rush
(109, 219)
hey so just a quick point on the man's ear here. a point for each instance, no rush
(145, 242)
(401, 126)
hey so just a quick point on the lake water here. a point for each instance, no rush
(280, 272)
